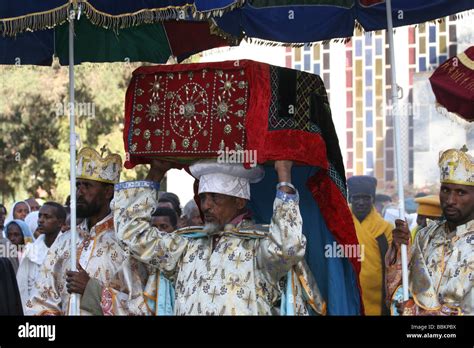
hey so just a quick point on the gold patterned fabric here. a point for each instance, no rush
(92, 166)
(441, 270)
(241, 276)
(100, 255)
(456, 167)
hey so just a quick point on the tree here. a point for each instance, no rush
(35, 125)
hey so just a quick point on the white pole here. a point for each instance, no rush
(398, 157)
(74, 304)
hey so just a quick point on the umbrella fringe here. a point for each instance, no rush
(57, 16)
(263, 42)
(145, 16)
(216, 12)
(215, 30)
(34, 21)
(454, 117)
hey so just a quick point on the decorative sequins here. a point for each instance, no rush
(187, 108)
(146, 134)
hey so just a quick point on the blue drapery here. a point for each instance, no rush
(335, 276)
(325, 20)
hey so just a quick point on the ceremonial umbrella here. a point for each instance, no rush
(305, 21)
(453, 84)
(106, 31)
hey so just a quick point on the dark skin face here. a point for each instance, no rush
(14, 234)
(361, 206)
(34, 206)
(195, 219)
(163, 223)
(220, 209)
(93, 200)
(457, 203)
(20, 212)
(49, 224)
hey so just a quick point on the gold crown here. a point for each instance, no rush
(91, 166)
(456, 167)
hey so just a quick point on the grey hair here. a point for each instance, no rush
(188, 208)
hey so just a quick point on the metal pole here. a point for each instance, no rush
(398, 157)
(74, 303)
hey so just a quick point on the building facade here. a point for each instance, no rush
(357, 75)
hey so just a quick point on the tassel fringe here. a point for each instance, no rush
(57, 16)
(454, 117)
(34, 21)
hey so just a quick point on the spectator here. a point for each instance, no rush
(19, 211)
(191, 215)
(52, 217)
(32, 204)
(165, 219)
(170, 200)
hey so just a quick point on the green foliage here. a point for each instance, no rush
(34, 141)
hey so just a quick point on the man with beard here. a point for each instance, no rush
(442, 255)
(374, 235)
(233, 267)
(103, 267)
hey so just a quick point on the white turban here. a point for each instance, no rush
(228, 179)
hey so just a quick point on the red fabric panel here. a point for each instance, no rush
(299, 146)
(185, 37)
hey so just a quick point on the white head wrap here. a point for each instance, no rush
(228, 179)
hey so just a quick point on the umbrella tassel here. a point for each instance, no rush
(34, 21)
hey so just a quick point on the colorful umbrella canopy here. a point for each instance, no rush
(148, 42)
(317, 20)
(108, 31)
(30, 15)
(453, 84)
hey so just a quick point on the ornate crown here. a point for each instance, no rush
(456, 167)
(92, 166)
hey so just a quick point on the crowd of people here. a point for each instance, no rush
(139, 253)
